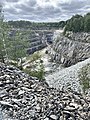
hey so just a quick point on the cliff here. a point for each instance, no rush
(70, 49)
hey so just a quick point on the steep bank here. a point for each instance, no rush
(67, 51)
(26, 98)
(68, 77)
(71, 49)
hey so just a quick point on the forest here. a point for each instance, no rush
(78, 23)
(36, 25)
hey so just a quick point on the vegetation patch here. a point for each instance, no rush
(35, 56)
(35, 67)
(84, 77)
(78, 23)
(39, 73)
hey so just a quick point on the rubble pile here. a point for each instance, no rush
(26, 98)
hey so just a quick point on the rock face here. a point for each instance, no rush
(38, 40)
(71, 49)
(25, 98)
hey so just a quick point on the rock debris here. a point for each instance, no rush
(26, 98)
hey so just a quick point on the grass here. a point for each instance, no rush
(36, 66)
(39, 73)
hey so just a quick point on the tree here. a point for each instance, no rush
(87, 22)
(78, 23)
(3, 52)
(17, 47)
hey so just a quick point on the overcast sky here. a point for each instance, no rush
(44, 10)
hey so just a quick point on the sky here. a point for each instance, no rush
(44, 10)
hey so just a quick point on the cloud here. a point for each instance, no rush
(11, 0)
(44, 10)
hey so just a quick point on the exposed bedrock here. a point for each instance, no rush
(71, 49)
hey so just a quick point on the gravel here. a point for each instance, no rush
(67, 77)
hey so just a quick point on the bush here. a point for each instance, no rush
(39, 73)
(84, 76)
(36, 56)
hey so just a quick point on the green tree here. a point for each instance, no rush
(3, 37)
(17, 47)
(87, 22)
(75, 24)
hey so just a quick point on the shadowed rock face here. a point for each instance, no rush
(38, 40)
(25, 98)
(72, 49)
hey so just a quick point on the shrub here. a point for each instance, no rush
(36, 56)
(84, 76)
(36, 73)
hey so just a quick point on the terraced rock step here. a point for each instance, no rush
(26, 98)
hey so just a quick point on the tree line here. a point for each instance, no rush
(36, 25)
(78, 23)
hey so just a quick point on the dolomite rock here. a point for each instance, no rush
(26, 98)
(71, 49)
